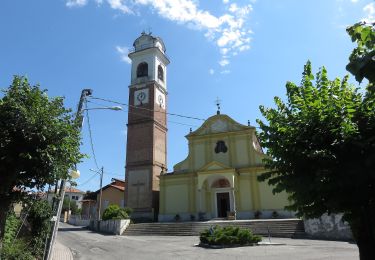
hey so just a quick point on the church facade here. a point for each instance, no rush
(218, 179)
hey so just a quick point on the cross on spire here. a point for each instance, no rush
(218, 103)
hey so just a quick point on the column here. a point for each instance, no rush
(234, 202)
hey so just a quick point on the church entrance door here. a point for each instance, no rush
(223, 204)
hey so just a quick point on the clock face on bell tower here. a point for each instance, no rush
(146, 150)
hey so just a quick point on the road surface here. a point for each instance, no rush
(86, 244)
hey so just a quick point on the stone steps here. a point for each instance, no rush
(276, 228)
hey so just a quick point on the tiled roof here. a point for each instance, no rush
(122, 188)
(73, 190)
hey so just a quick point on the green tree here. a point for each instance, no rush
(322, 144)
(69, 204)
(362, 61)
(90, 195)
(39, 142)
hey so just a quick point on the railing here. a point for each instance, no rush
(146, 46)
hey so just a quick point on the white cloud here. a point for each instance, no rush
(228, 31)
(370, 13)
(211, 71)
(76, 3)
(120, 5)
(224, 62)
(354, 1)
(225, 72)
(123, 51)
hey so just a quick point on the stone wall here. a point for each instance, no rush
(328, 227)
(115, 226)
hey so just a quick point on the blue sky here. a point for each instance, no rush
(241, 51)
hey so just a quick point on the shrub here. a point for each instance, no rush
(115, 212)
(11, 227)
(14, 248)
(228, 236)
(39, 218)
(17, 250)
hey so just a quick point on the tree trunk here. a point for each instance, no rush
(364, 233)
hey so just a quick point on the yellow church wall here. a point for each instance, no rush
(244, 202)
(242, 158)
(199, 155)
(268, 200)
(177, 200)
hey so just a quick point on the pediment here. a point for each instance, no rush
(214, 166)
(218, 124)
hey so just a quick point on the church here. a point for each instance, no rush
(218, 179)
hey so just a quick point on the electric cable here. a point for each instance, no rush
(90, 135)
(143, 108)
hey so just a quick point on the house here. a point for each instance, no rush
(112, 193)
(71, 193)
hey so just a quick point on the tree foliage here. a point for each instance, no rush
(313, 139)
(69, 204)
(39, 142)
(362, 59)
(322, 144)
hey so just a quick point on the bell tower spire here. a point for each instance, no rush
(146, 151)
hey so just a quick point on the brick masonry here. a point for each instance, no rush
(146, 152)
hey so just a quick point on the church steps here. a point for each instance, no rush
(277, 228)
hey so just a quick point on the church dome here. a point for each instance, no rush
(146, 40)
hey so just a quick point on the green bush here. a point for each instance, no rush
(228, 236)
(18, 250)
(11, 227)
(39, 218)
(14, 248)
(115, 212)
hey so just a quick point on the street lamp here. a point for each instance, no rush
(116, 108)
(79, 120)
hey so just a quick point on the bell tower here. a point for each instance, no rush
(146, 150)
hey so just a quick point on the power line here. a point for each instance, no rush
(88, 180)
(90, 135)
(135, 113)
(143, 108)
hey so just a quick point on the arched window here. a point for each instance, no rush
(142, 70)
(160, 73)
(221, 183)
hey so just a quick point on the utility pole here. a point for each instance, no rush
(101, 192)
(79, 121)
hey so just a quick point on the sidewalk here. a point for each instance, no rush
(61, 252)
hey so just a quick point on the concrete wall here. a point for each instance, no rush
(115, 226)
(76, 221)
(328, 227)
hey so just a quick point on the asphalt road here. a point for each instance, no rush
(86, 244)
